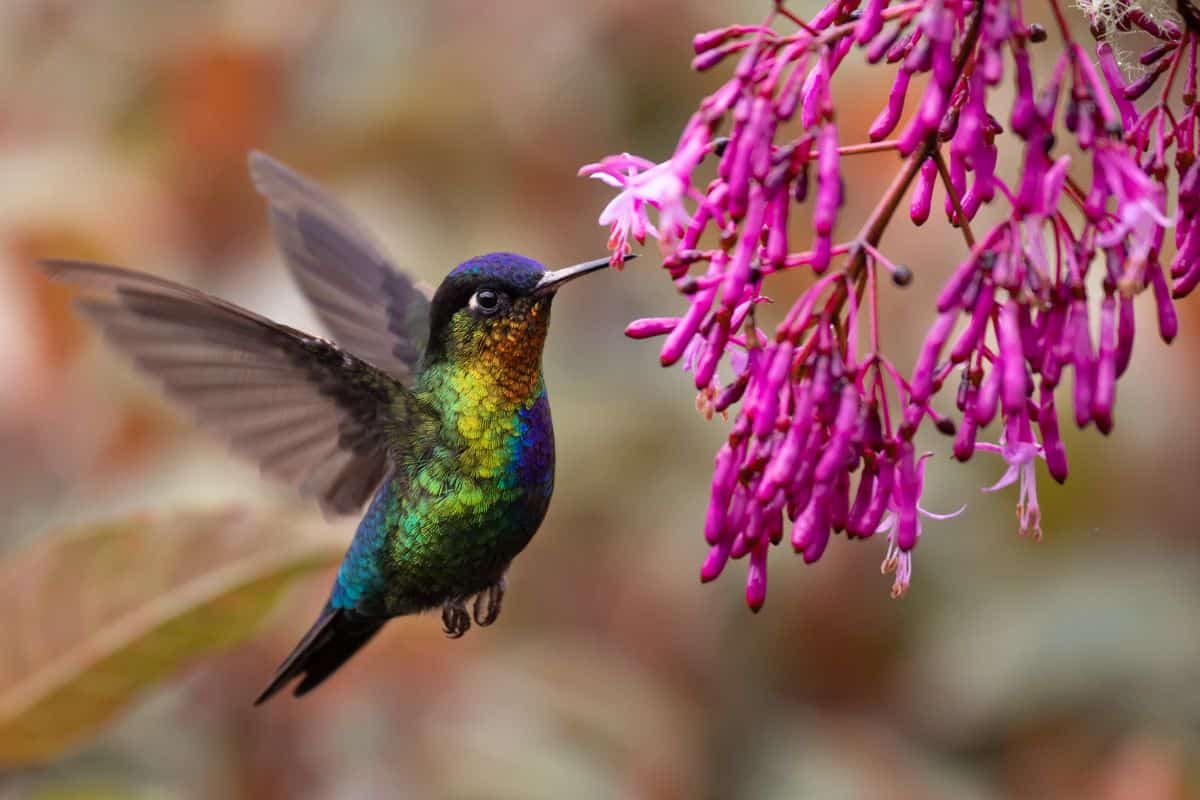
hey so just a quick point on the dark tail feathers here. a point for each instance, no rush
(333, 638)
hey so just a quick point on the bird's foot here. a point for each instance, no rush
(487, 603)
(455, 619)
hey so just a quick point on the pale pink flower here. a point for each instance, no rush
(643, 185)
(1140, 201)
(1021, 457)
(898, 560)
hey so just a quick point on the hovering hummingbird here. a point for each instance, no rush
(433, 409)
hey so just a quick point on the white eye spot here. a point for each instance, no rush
(485, 302)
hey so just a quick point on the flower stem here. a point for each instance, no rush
(865, 147)
(1076, 194)
(1061, 20)
(787, 12)
(873, 289)
(1176, 59)
(872, 230)
(944, 172)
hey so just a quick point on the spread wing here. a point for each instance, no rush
(370, 307)
(303, 409)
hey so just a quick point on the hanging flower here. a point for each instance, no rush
(821, 440)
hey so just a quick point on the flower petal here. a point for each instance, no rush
(1007, 479)
(951, 515)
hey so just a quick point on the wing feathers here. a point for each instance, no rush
(370, 307)
(304, 410)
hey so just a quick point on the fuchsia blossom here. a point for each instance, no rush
(902, 523)
(655, 185)
(1020, 451)
(644, 185)
(821, 443)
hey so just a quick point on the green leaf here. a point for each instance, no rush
(95, 616)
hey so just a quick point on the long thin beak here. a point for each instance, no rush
(555, 278)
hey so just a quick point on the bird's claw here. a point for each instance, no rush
(487, 604)
(455, 619)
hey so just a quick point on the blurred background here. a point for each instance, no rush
(1013, 669)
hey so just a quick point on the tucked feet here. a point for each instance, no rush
(487, 603)
(455, 619)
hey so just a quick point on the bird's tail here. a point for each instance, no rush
(334, 637)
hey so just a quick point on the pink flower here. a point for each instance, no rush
(823, 423)
(643, 185)
(1139, 203)
(1020, 452)
(904, 505)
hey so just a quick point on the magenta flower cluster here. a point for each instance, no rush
(822, 442)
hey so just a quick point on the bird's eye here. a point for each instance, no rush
(485, 301)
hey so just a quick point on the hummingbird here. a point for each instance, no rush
(430, 409)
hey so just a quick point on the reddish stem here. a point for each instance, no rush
(873, 291)
(1061, 20)
(1075, 193)
(1176, 58)
(865, 147)
(786, 12)
(961, 215)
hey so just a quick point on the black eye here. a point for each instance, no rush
(485, 301)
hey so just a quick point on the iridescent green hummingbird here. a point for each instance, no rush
(433, 409)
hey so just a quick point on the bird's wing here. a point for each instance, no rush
(370, 307)
(304, 410)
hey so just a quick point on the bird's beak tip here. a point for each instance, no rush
(553, 279)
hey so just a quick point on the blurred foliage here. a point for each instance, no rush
(1064, 669)
(104, 613)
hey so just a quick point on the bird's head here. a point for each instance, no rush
(492, 311)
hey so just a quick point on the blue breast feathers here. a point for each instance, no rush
(531, 464)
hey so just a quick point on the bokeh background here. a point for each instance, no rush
(1013, 669)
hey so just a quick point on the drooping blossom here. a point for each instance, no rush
(902, 523)
(1020, 452)
(656, 185)
(645, 185)
(1098, 171)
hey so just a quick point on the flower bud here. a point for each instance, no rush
(649, 327)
